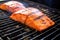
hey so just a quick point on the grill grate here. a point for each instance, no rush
(11, 30)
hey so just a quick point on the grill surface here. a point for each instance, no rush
(11, 30)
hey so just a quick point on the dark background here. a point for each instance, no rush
(50, 3)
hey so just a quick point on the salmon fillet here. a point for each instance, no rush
(12, 6)
(34, 18)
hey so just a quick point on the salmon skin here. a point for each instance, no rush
(34, 18)
(12, 6)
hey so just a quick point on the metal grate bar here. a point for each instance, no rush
(56, 19)
(6, 21)
(56, 36)
(45, 32)
(11, 32)
(28, 35)
(50, 34)
(7, 24)
(23, 33)
(18, 35)
(1, 38)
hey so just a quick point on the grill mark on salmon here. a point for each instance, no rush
(39, 17)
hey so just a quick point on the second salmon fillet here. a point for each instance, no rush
(12, 6)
